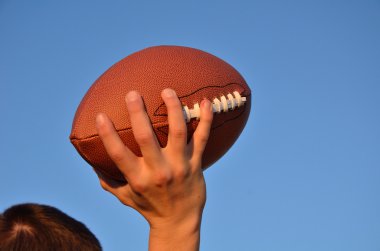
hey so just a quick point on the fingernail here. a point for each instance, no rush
(99, 119)
(168, 93)
(131, 96)
(206, 104)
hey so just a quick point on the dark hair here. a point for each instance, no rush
(35, 227)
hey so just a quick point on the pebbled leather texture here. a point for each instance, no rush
(192, 73)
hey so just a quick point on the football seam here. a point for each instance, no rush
(165, 115)
(212, 128)
(192, 93)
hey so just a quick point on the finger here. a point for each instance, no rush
(177, 138)
(201, 134)
(124, 158)
(109, 184)
(142, 129)
(117, 188)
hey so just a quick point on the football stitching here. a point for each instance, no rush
(165, 115)
(156, 113)
(212, 128)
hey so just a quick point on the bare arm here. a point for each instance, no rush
(166, 185)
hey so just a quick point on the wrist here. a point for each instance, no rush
(182, 235)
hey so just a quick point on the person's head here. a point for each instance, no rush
(35, 227)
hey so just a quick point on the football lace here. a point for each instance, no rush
(222, 104)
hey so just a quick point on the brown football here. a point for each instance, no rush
(192, 73)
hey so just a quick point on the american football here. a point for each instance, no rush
(192, 73)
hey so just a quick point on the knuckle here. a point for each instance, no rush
(181, 173)
(144, 138)
(202, 137)
(139, 187)
(125, 201)
(162, 178)
(104, 185)
(178, 132)
(117, 155)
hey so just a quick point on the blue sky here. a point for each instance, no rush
(304, 175)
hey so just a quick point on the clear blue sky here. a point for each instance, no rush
(304, 175)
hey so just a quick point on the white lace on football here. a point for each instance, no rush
(221, 104)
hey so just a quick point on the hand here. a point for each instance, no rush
(166, 185)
